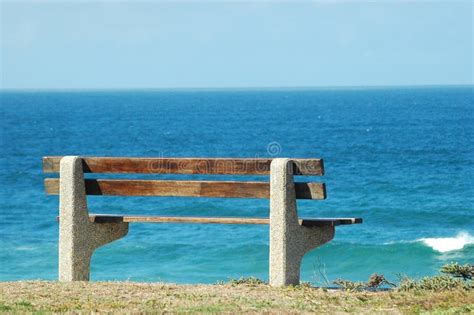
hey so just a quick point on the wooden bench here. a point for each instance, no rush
(80, 233)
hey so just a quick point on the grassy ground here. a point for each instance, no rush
(128, 297)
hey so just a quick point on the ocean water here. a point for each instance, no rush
(401, 158)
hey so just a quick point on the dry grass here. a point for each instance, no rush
(130, 297)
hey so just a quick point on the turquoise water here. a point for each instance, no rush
(400, 158)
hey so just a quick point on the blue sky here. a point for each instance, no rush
(57, 45)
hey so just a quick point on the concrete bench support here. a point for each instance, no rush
(289, 241)
(78, 236)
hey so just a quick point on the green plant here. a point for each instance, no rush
(350, 285)
(4, 307)
(460, 271)
(252, 281)
(436, 283)
(375, 281)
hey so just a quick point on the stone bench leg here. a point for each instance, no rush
(78, 236)
(289, 241)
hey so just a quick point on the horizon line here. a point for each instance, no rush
(244, 88)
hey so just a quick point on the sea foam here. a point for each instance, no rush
(447, 244)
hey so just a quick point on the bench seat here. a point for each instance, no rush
(290, 237)
(106, 218)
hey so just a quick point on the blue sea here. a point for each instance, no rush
(401, 158)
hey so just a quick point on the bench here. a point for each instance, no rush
(80, 233)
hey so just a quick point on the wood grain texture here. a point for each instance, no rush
(219, 166)
(170, 188)
(103, 218)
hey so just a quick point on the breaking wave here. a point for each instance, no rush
(447, 244)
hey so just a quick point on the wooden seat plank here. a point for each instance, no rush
(219, 189)
(220, 166)
(105, 218)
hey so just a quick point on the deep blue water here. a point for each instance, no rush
(401, 158)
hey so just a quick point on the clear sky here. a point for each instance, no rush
(57, 45)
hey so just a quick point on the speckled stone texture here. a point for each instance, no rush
(289, 241)
(78, 236)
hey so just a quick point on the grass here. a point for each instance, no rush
(451, 292)
(242, 295)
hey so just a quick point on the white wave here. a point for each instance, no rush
(447, 244)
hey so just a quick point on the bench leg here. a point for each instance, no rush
(78, 236)
(289, 241)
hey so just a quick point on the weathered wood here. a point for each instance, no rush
(169, 219)
(104, 218)
(218, 166)
(330, 221)
(224, 189)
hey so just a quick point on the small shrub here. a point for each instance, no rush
(436, 283)
(460, 271)
(252, 281)
(407, 284)
(440, 283)
(376, 281)
(350, 285)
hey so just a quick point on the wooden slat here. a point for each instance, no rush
(330, 221)
(168, 219)
(99, 218)
(123, 187)
(228, 166)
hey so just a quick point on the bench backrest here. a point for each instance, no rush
(202, 166)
